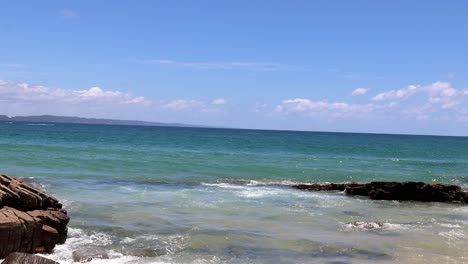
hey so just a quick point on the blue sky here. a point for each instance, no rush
(361, 66)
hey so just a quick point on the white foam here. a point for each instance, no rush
(127, 240)
(450, 225)
(364, 226)
(375, 226)
(223, 185)
(38, 124)
(79, 237)
(258, 192)
(454, 234)
(252, 183)
(392, 226)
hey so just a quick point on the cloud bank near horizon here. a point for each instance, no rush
(26, 99)
(435, 101)
(13, 92)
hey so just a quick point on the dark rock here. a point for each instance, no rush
(321, 186)
(88, 254)
(415, 191)
(31, 221)
(464, 196)
(357, 189)
(22, 258)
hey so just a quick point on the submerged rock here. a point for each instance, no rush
(415, 191)
(31, 221)
(88, 254)
(22, 258)
(365, 225)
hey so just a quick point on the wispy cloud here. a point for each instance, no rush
(182, 104)
(194, 105)
(226, 65)
(360, 91)
(67, 13)
(449, 75)
(325, 108)
(219, 101)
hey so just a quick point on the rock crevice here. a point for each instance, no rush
(31, 221)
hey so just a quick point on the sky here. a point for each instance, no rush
(349, 66)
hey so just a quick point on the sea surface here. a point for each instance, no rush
(199, 195)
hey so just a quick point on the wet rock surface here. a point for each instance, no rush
(22, 258)
(31, 221)
(88, 254)
(414, 191)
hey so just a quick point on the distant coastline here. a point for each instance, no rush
(51, 119)
(89, 121)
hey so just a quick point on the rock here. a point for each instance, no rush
(415, 191)
(31, 221)
(22, 258)
(365, 225)
(357, 189)
(321, 186)
(88, 254)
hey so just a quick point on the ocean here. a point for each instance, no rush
(205, 195)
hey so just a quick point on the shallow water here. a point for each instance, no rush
(188, 195)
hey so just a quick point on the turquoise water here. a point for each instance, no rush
(198, 195)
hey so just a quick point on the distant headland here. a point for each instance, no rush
(83, 120)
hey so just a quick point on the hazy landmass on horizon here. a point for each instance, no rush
(84, 120)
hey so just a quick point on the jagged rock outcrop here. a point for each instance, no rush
(31, 221)
(415, 191)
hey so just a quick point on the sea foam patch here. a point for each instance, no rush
(78, 238)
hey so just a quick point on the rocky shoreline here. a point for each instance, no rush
(31, 221)
(403, 191)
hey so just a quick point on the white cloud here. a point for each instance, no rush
(436, 101)
(324, 107)
(444, 94)
(14, 95)
(401, 94)
(219, 101)
(437, 93)
(14, 92)
(360, 91)
(69, 13)
(182, 104)
(423, 102)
